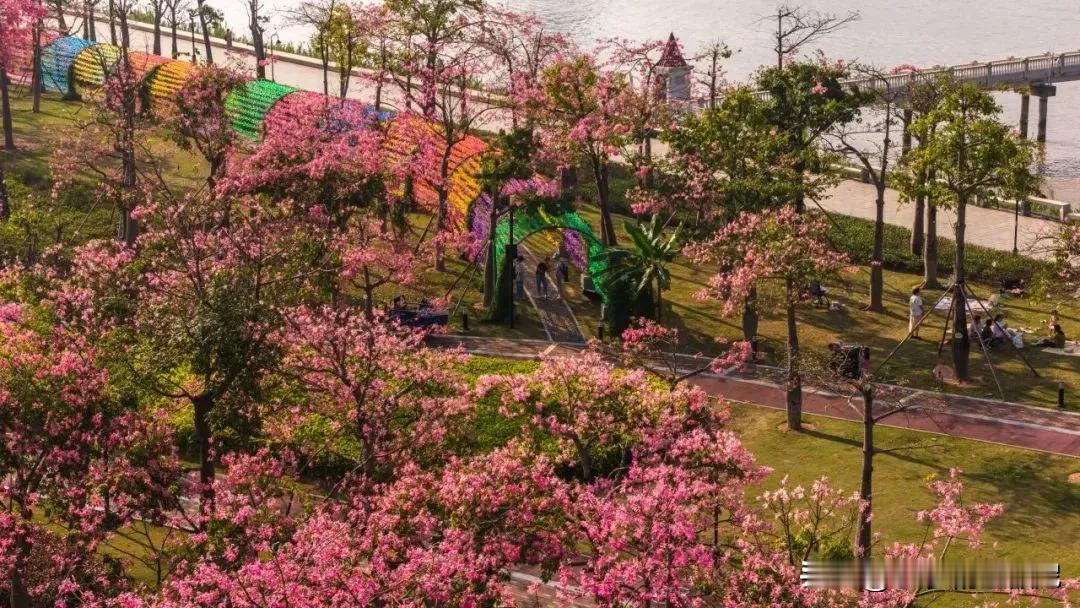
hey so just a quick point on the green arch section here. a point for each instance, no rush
(528, 224)
(249, 104)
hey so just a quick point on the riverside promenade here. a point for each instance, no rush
(986, 227)
(992, 228)
(992, 421)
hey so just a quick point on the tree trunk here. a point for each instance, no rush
(864, 536)
(659, 302)
(5, 109)
(61, 19)
(930, 252)
(750, 316)
(961, 343)
(794, 378)
(918, 236)
(202, 405)
(5, 200)
(489, 261)
(800, 196)
(17, 594)
(112, 22)
(585, 458)
(35, 76)
(443, 210)
(91, 23)
(257, 41)
(877, 280)
(324, 56)
(125, 40)
(157, 29)
(129, 226)
(205, 33)
(607, 227)
(172, 29)
(383, 58)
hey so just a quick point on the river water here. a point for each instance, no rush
(888, 33)
(919, 32)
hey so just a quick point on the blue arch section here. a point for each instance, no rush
(56, 61)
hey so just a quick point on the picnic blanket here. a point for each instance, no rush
(976, 304)
(1072, 349)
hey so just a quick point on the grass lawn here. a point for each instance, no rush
(38, 136)
(1042, 509)
(702, 321)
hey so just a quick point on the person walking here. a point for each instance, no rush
(915, 309)
(562, 273)
(541, 278)
(519, 277)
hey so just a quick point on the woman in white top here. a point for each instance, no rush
(915, 308)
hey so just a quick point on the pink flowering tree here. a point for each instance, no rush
(200, 119)
(782, 245)
(316, 154)
(647, 108)
(386, 401)
(443, 54)
(77, 464)
(18, 19)
(523, 47)
(445, 537)
(653, 347)
(592, 412)
(328, 161)
(581, 112)
(112, 145)
(213, 278)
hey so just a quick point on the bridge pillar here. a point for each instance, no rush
(905, 142)
(1045, 92)
(1025, 108)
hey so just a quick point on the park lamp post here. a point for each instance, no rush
(191, 22)
(511, 248)
(272, 61)
(1016, 226)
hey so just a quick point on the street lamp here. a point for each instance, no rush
(1016, 226)
(511, 250)
(272, 62)
(191, 18)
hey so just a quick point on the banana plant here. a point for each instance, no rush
(645, 264)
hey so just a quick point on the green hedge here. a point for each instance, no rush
(855, 236)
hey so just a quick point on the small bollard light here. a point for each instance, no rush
(600, 332)
(1061, 395)
(465, 320)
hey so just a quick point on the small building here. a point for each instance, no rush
(673, 73)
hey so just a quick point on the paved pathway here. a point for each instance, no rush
(987, 227)
(559, 321)
(1011, 424)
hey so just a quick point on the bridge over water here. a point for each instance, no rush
(1034, 75)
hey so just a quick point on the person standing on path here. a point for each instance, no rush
(562, 272)
(915, 306)
(519, 277)
(541, 278)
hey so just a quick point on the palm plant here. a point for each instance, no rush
(645, 265)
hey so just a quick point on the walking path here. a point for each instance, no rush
(991, 228)
(1011, 424)
(558, 320)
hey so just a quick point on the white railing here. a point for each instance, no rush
(1036, 69)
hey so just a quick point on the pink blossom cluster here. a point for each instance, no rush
(774, 244)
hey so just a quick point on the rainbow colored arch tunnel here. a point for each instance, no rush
(75, 67)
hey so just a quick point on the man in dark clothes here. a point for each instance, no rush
(541, 278)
